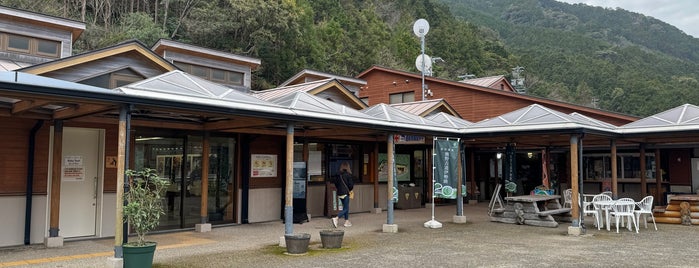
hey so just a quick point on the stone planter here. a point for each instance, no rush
(331, 238)
(297, 243)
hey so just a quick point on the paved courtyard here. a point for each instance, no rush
(477, 243)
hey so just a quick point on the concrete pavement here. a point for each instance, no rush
(477, 243)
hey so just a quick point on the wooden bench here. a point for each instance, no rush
(554, 211)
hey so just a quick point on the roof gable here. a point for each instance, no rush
(186, 85)
(313, 88)
(530, 115)
(388, 113)
(112, 51)
(301, 76)
(493, 82)
(426, 107)
(308, 102)
(686, 114)
(449, 120)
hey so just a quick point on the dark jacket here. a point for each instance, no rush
(348, 180)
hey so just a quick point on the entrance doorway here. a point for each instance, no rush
(81, 173)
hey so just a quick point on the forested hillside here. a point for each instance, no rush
(611, 59)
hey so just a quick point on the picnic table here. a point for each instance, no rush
(536, 210)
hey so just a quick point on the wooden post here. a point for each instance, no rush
(205, 151)
(373, 171)
(615, 187)
(472, 172)
(389, 184)
(121, 164)
(289, 193)
(574, 180)
(56, 178)
(644, 181)
(459, 182)
(658, 177)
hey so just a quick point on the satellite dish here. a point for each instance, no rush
(421, 27)
(428, 64)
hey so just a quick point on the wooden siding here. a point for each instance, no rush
(472, 104)
(31, 30)
(90, 69)
(14, 154)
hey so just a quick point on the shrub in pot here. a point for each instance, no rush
(142, 213)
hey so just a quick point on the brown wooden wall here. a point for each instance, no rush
(269, 145)
(14, 154)
(472, 104)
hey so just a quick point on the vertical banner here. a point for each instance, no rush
(510, 169)
(445, 168)
(394, 169)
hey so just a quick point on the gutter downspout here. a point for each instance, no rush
(30, 182)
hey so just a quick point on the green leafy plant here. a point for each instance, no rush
(144, 198)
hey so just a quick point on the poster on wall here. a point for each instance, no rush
(402, 167)
(263, 165)
(73, 168)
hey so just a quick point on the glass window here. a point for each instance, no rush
(46, 47)
(218, 75)
(16, 42)
(235, 78)
(401, 97)
(200, 71)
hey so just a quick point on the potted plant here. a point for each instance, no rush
(142, 213)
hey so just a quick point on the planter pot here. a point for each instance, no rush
(135, 256)
(297, 243)
(331, 238)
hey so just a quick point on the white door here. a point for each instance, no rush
(81, 167)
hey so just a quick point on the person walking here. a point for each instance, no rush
(344, 182)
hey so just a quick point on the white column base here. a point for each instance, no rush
(202, 227)
(576, 231)
(377, 211)
(459, 219)
(390, 228)
(53, 242)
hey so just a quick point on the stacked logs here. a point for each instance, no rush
(682, 209)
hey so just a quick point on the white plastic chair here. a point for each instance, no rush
(597, 208)
(568, 198)
(609, 193)
(645, 208)
(589, 209)
(624, 208)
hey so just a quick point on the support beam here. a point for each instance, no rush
(574, 180)
(203, 226)
(644, 180)
(121, 163)
(614, 168)
(289, 193)
(56, 178)
(390, 227)
(658, 177)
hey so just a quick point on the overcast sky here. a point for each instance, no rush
(683, 14)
